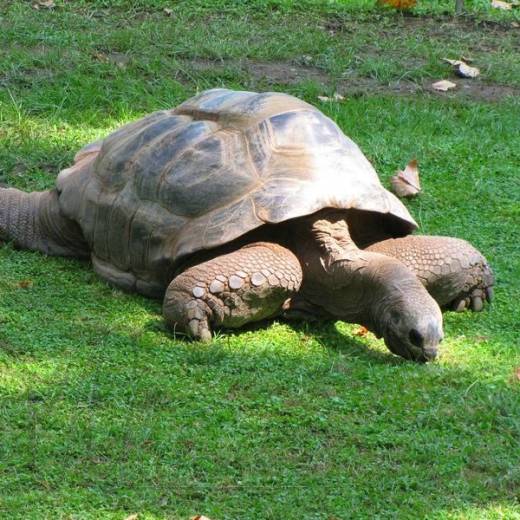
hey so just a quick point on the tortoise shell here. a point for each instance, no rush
(216, 167)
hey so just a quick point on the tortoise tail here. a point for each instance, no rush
(33, 221)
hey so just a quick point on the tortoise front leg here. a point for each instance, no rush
(248, 285)
(452, 270)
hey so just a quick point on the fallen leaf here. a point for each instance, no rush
(399, 4)
(335, 97)
(516, 25)
(443, 85)
(46, 4)
(167, 11)
(199, 517)
(25, 284)
(465, 71)
(517, 373)
(406, 182)
(499, 4)
(462, 69)
(135, 516)
(100, 56)
(362, 331)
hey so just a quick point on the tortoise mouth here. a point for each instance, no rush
(408, 351)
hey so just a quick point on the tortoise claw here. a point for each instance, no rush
(476, 304)
(459, 305)
(199, 330)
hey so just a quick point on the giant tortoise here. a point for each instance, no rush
(236, 207)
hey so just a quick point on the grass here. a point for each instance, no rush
(103, 413)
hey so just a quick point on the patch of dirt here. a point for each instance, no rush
(477, 90)
(270, 72)
(262, 74)
(432, 24)
(285, 72)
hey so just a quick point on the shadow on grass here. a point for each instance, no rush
(137, 422)
(103, 412)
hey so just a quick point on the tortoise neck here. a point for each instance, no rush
(322, 243)
(345, 281)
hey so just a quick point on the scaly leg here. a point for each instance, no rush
(231, 290)
(451, 269)
(34, 221)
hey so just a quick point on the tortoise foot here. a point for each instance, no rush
(455, 273)
(473, 301)
(247, 285)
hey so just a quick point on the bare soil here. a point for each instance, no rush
(265, 73)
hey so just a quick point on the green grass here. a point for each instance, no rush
(103, 413)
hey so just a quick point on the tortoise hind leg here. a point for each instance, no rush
(452, 270)
(34, 221)
(250, 284)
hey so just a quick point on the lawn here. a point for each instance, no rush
(105, 414)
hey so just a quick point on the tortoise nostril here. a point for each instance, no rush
(416, 338)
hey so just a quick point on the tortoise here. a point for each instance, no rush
(237, 207)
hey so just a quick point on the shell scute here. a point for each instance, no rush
(216, 167)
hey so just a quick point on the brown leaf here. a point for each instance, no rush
(399, 4)
(135, 516)
(335, 97)
(406, 182)
(199, 517)
(25, 284)
(100, 56)
(362, 331)
(443, 85)
(517, 373)
(465, 71)
(462, 69)
(46, 4)
(499, 4)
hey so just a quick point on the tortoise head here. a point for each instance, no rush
(388, 299)
(360, 286)
(409, 320)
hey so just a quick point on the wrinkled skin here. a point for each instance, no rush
(320, 273)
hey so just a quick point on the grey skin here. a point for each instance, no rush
(237, 207)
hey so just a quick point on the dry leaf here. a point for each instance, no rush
(443, 85)
(335, 97)
(46, 4)
(199, 517)
(399, 4)
(167, 11)
(362, 331)
(499, 4)
(100, 56)
(517, 373)
(135, 516)
(406, 182)
(25, 284)
(462, 69)
(465, 71)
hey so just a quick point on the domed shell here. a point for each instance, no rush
(219, 165)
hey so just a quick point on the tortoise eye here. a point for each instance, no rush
(396, 317)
